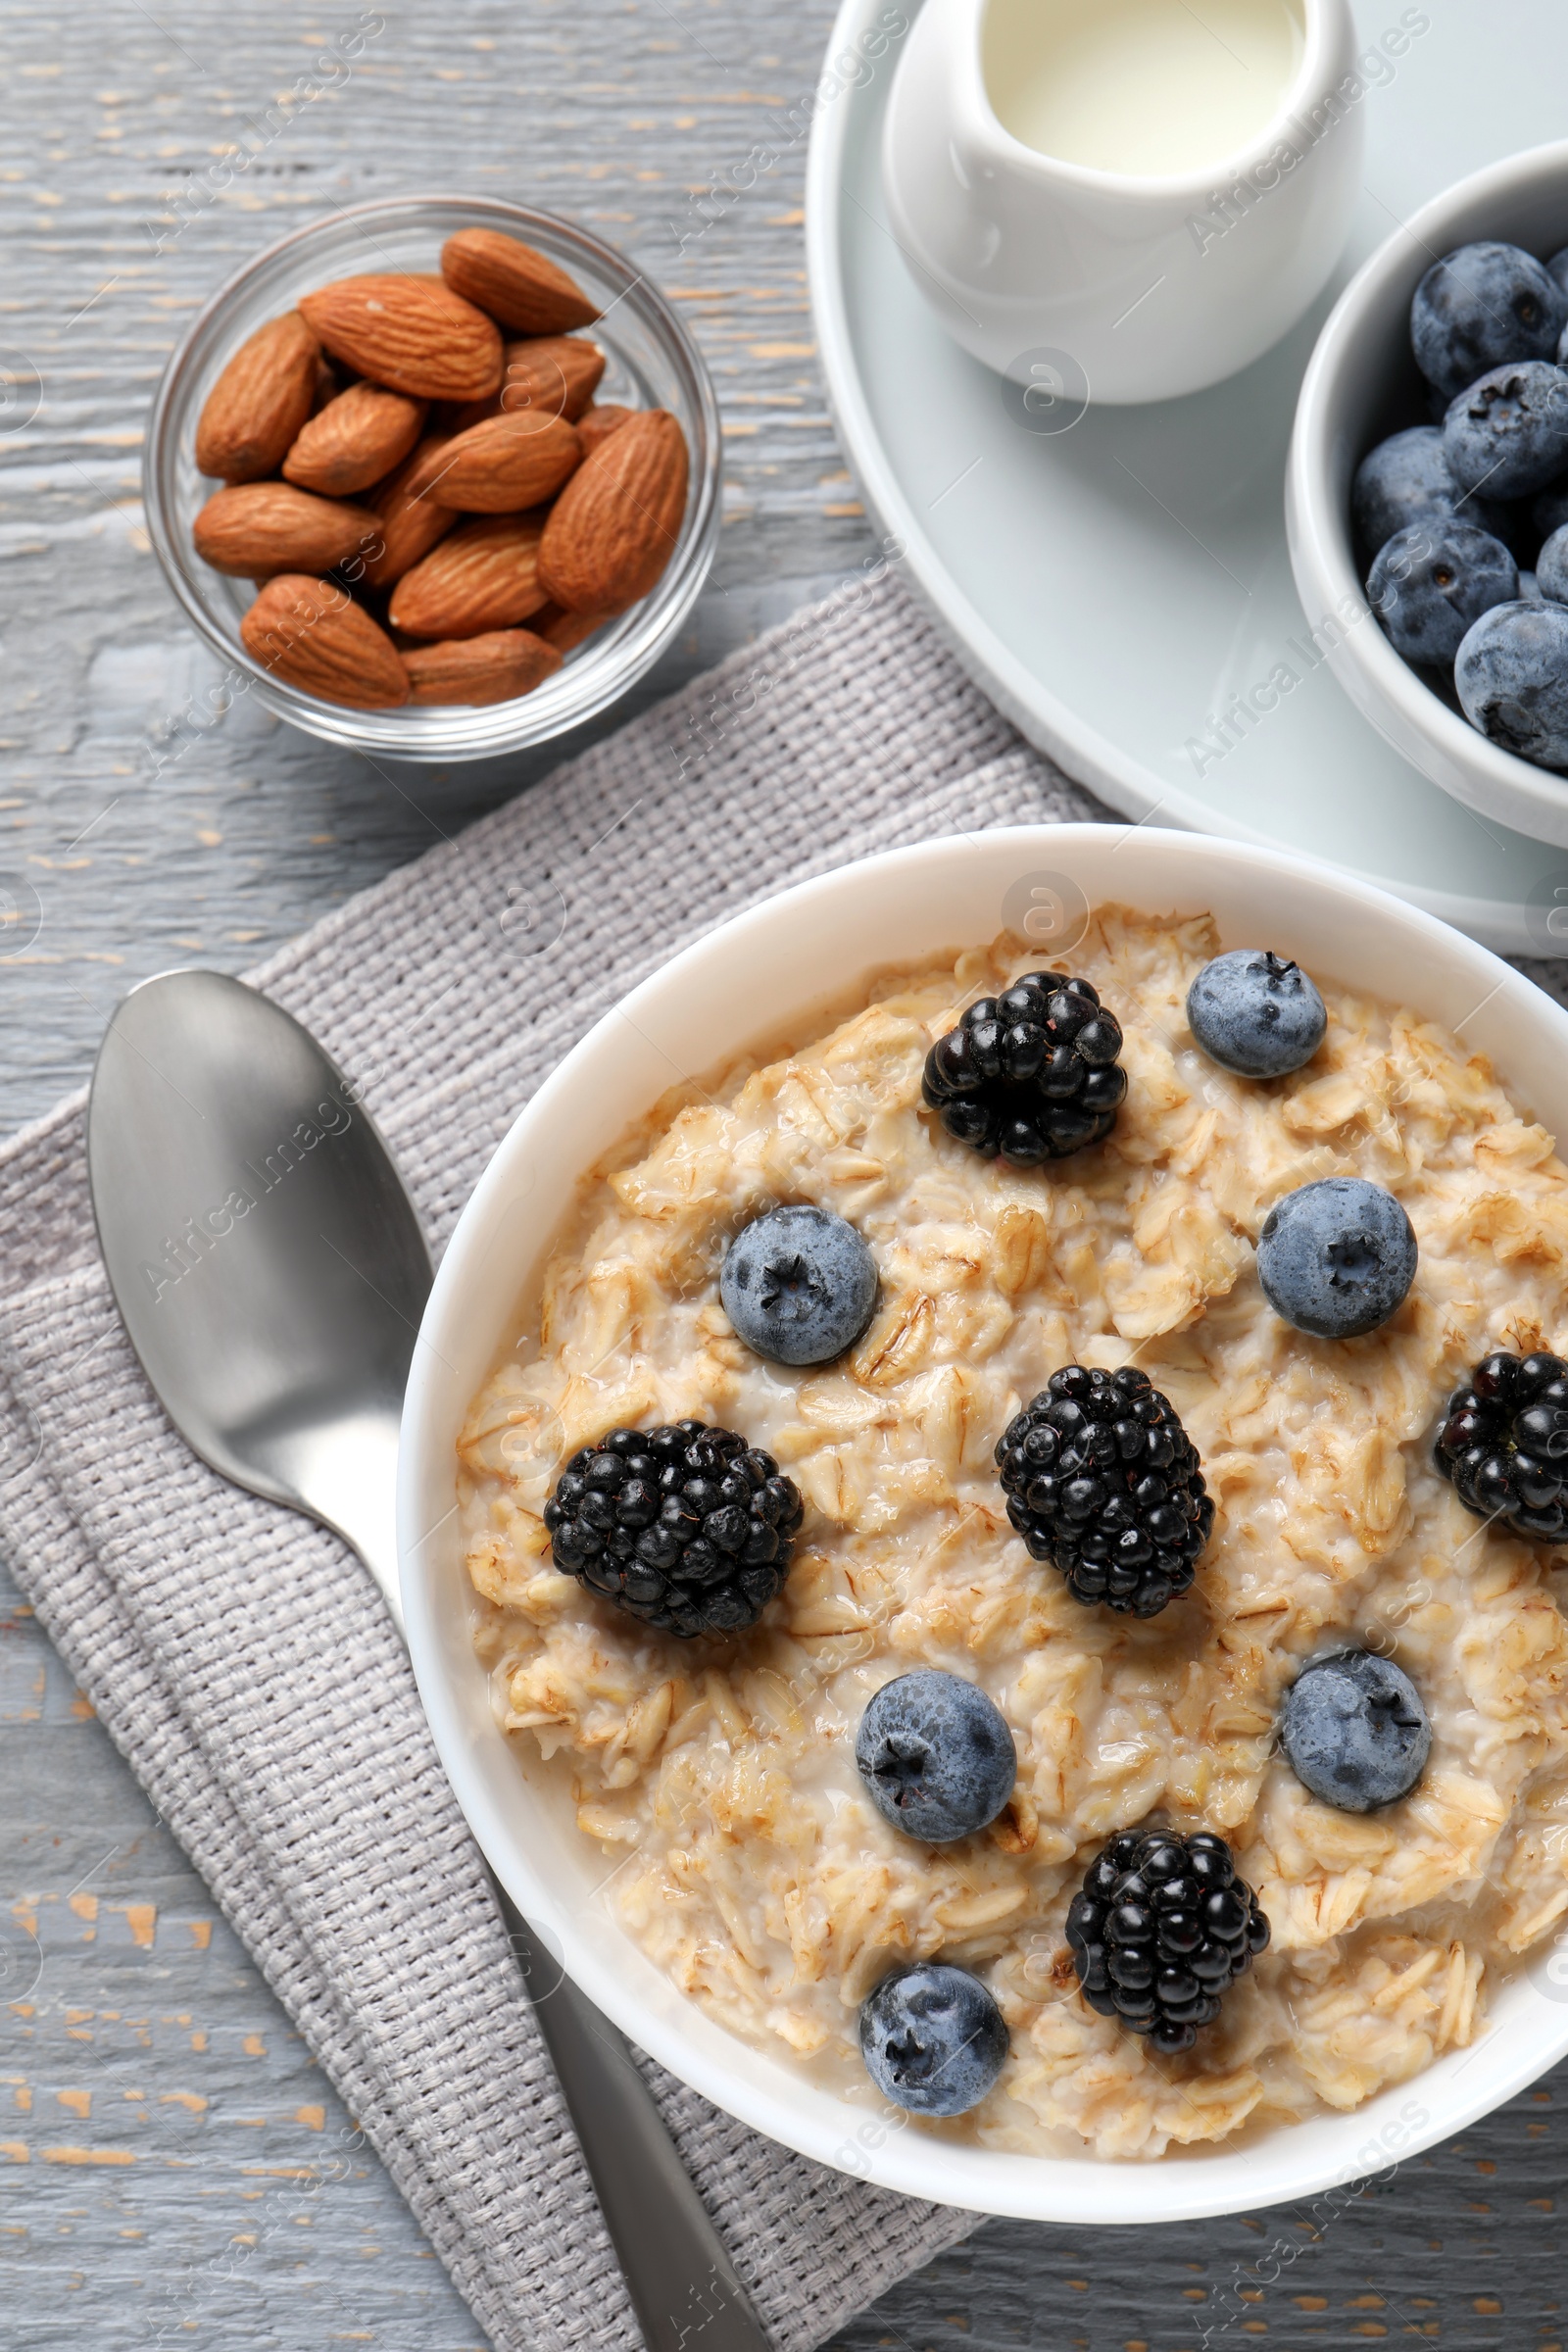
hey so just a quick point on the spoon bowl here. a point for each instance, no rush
(238, 1178)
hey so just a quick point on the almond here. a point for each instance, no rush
(501, 466)
(412, 335)
(493, 668)
(483, 576)
(597, 423)
(564, 629)
(555, 374)
(514, 283)
(614, 525)
(407, 526)
(356, 440)
(259, 402)
(255, 528)
(311, 634)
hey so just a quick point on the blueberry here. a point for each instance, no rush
(1480, 307)
(1551, 568)
(1355, 1732)
(1557, 269)
(1511, 676)
(1337, 1258)
(799, 1285)
(1508, 433)
(933, 2038)
(1407, 479)
(1254, 1013)
(1530, 591)
(1429, 583)
(936, 1756)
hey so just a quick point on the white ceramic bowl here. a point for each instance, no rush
(1362, 384)
(734, 989)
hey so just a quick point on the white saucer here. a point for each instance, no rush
(1111, 586)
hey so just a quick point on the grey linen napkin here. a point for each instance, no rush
(243, 1662)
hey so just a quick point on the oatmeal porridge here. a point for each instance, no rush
(718, 1775)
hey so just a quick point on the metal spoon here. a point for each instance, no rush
(271, 1272)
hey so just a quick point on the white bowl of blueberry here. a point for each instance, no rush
(1427, 491)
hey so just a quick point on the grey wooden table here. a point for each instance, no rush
(162, 2127)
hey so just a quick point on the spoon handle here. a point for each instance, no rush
(678, 2272)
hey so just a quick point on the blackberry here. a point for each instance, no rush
(1160, 1926)
(687, 1526)
(1504, 1444)
(1030, 1074)
(1102, 1480)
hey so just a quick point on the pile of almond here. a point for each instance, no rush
(415, 468)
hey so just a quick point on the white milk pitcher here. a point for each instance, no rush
(1124, 199)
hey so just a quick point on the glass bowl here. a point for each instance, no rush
(651, 360)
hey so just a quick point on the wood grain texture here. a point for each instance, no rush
(173, 2167)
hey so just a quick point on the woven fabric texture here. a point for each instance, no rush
(242, 1660)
